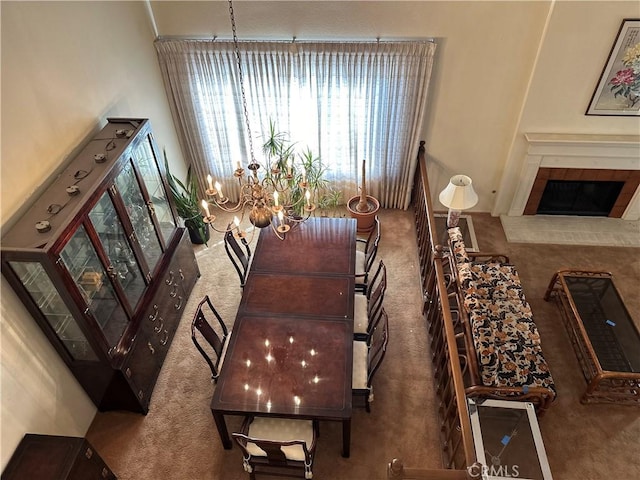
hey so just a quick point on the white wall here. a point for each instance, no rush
(66, 66)
(572, 55)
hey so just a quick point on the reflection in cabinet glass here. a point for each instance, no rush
(100, 263)
(123, 268)
(139, 214)
(144, 158)
(45, 295)
(83, 264)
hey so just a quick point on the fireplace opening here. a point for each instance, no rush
(573, 197)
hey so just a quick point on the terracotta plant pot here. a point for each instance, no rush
(365, 219)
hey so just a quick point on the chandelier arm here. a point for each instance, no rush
(280, 236)
(222, 206)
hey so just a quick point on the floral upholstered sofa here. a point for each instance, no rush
(503, 350)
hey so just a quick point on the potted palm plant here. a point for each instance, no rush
(185, 197)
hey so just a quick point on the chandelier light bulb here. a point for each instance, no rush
(205, 206)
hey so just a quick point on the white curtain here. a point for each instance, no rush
(345, 101)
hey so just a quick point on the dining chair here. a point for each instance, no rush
(215, 334)
(367, 360)
(366, 251)
(239, 255)
(281, 447)
(367, 306)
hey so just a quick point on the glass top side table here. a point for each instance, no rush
(507, 440)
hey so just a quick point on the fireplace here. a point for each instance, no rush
(582, 164)
(576, 197)
(581, 191)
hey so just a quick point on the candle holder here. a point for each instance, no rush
(283, 228)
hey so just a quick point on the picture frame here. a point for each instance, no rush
(618, 90)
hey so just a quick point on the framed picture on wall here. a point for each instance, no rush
(618, 91)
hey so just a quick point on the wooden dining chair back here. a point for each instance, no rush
(367, 307)
(210, 335)
(239, 253)
(366, 255)
(280, 447)
(367, 360)
(376, 289)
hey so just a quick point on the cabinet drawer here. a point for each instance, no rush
(143, 365)
(48, 457)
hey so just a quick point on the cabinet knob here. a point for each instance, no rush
(174, 290)
(169, 281)
(88, 453)
(105, 472)
(152, 209)
(164, 340)
(151, 349)
(111, 271)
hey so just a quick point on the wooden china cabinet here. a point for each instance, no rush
(100, 262)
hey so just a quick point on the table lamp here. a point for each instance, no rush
(458, 195)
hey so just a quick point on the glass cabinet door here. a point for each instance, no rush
(143, 227)
(41, 289)
(86, 269)
(124, 267)
(145, 161)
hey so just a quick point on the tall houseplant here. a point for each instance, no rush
(288, 167)
(185, 197)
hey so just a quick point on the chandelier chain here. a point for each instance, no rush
(241, 78)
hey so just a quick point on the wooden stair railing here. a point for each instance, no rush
(455, 425)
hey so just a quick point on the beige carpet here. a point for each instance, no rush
(572, 230)
(178, 440)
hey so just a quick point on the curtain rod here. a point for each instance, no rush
(294, 39)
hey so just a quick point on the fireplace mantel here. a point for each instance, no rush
(579, 151)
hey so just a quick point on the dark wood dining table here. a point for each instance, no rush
(291, 348)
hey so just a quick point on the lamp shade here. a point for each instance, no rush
(459, 194)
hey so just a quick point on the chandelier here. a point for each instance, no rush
(280, 199)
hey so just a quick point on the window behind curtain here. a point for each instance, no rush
(345, 101)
